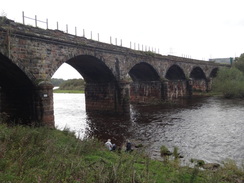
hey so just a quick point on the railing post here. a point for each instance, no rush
(75, 31)
(66, 28)
(83, 32)
(23, 16)
(36, 20)
(47, 23)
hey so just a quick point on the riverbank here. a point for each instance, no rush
(48, 155)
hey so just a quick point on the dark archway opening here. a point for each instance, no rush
(143, 72)
(199, 80)
(175, 73)
(16, 93)
(177, 83)
(213, 73)
(197, 73)
(146, 86)
(92, 69)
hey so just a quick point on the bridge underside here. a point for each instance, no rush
(103, 92)
(20, 100)
(16, 92)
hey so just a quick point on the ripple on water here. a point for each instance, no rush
(208, 128)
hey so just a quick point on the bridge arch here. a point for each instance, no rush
(146, 86)
(213, 72)
(92, 69)
(199, 80)
(177, 85)
(102, 91)
(197, 73)
(17, 92)
(175, 72)
(143, 72)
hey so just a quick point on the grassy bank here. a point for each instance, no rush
(41, 154)
(67, 91)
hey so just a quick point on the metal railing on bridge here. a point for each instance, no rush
(135, 46)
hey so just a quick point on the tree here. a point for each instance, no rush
(239, 63)
(230, 82)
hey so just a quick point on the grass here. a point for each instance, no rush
(67, 91)
(29, 155)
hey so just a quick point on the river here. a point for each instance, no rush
(206, 128)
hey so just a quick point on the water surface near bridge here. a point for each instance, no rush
(210, 129)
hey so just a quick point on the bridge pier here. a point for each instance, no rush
(146, 92)
(107, 97)
(209, 83)
(173, 89)
(44, 103)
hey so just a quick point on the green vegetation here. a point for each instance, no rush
(67, 91)
(57, 82)
(69, 86)
(230, 81)
(42, 154)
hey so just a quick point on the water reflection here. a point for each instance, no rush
(204, 128)
(108, 127)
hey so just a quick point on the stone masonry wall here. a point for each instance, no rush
(145, 92)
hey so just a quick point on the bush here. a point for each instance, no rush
(230, 82)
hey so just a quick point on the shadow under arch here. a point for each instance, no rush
(143, 72)
(146, 86)
(92, 69)
(214, 73)
(17, 93)
(199, 80)
(197, 73)
(178, 85)
(175, 73)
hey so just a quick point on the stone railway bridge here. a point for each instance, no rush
(114, 75)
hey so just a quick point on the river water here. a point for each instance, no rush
(206, 128)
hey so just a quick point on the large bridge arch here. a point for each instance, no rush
(92, 69)
(146, 86)
(102, 90)
(17, 93)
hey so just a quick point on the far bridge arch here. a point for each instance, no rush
(214, 73)
(146, 84)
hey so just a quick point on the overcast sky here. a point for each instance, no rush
(199, 29)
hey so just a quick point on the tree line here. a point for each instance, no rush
(230, 81)
(70, 84)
